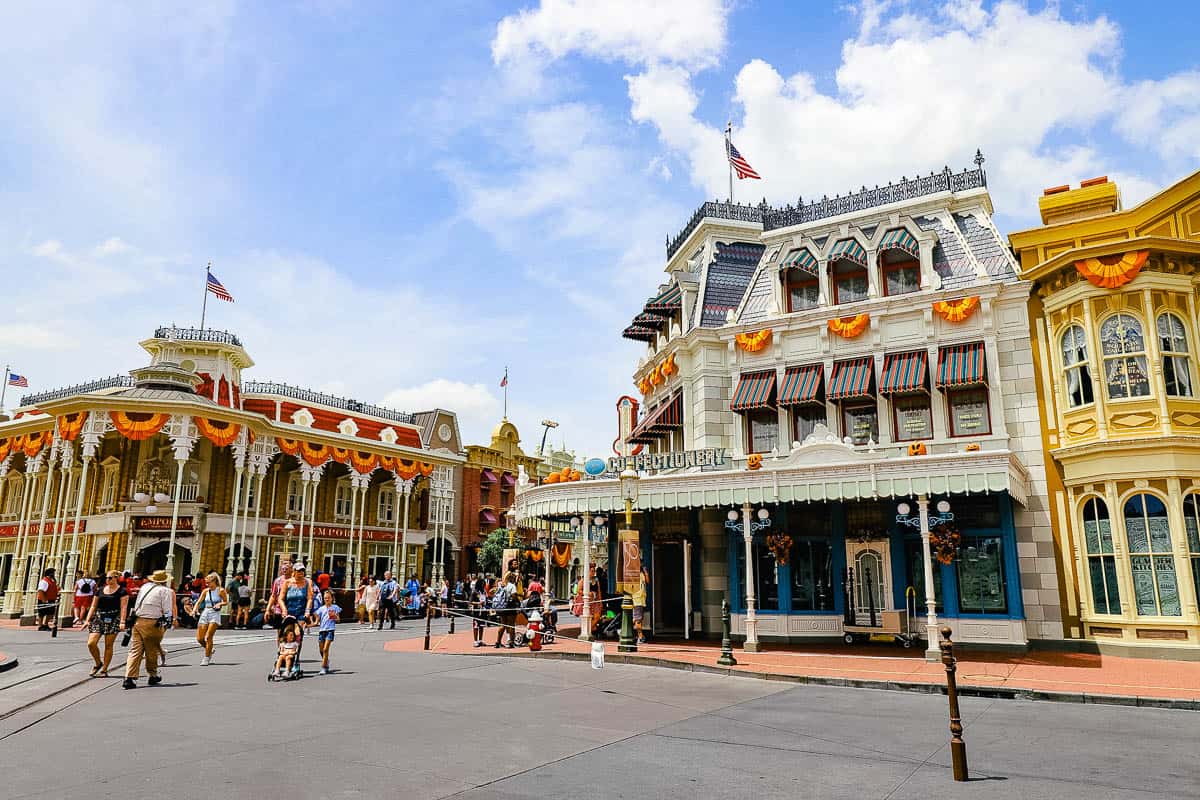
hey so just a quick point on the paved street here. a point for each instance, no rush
(485, 726)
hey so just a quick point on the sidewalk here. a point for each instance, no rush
(1069, 677)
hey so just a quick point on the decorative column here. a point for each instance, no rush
(261, 474)
(751, 643)
(354, 570)
(932, 652)
(585, 622)
(402, 487)
(365, 483)
(183, 434)
(89, 444)
(317, 472)
(305, 476)
(407, 485)
(16, 581)
(66, 459)
(39, 556)
(239, 467)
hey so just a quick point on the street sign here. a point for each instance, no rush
(595, 466)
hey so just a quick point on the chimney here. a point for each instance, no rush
(1093, 198)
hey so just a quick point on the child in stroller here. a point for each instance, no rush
(287, 662)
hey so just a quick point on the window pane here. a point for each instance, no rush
(1143, 585)
(1105, 596)
(1121, 334)
(803, 295)
(914, 555)
(766, 579)
(805, 418)
(969, 412)
(812, 575)
(1171, 336)
(913, 418)
(764, 430)
(1191, 522)
(861, 423)
(1177, 376)
(981, 575)
(851, 288)
(903, 280)
(1168, 587)
(1074, 346)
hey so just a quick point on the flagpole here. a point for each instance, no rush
(3, 388)
(204, 305)
(728, 162)
(506, 392)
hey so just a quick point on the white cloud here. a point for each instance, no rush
(111, 247)
(476, 407)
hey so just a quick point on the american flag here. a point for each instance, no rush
(18, 380)
(740, 165)
(504, 380)
(216, 288)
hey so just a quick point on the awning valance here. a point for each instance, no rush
(488, 517)
(802, 260)
(851, 379)
(666, 302)
(850, 250)
(961, 365)
(801, 385)
(658, 421)
(904, 372)
(755, 390)
(647, 320)
(640, 333)
(487, 477)
(900, 239)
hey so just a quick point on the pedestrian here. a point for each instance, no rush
(505, 601)
(231, 591)
(639, 604)
(275, 607)
(444, 596)
(370, 599)
(479, 613)
(243, 603)
(297, 594)
(208, 614)
(85, 589)
(153, 614)
(327, 618)
(323, 580)
(360, 610)
(389, 597)
(289, 648)
(47, 599)
(412, 591)
(104, 619)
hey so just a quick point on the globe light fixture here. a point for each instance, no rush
(159, 497)
(943, 506)
(732, 516)
(763, 513)
(151, 509)
(140, 497)
(903, 509)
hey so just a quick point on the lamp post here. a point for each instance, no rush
(924, 522)
(629, 493)
(748, 527)
(583, 525)
(288, 530)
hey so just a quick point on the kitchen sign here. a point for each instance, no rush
(681, 459)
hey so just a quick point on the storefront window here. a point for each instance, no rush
(1148, 532)
(1191, 526)
(766, 576)
(849, 282)
(1123, 349)
(914, 555)
(805, 419)
(1102, 565)
(913, 418)
(981, 588)
(861, 423)
(812, 575)
(1177, 372)
(763, 429)
(969, 412)
(1076, 368)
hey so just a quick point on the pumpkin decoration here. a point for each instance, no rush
(849, 327)
(956, 310)
(780, 545)
(553, 477)
(754, 461)
(753, 342)
(973, 447)
(945, 540)
(1111, 272)
(917, 449)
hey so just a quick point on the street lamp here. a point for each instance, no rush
(748, 527)
(584, 526)
(288, 530)
(924, 522)
(629, 493)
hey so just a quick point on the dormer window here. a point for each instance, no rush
(801, 288)
(899, 262)
(848, 269)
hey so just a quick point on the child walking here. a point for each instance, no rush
(327, 615)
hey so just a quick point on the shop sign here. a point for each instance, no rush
(630, 546)
(159, 524)
(33, 528)
(681, 459)
(332, 532)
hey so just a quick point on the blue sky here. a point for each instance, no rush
(404, 198)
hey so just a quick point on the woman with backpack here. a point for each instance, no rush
(505, 603)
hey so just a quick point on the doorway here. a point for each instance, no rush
(154, 558)
(668, 608)
(871, 562)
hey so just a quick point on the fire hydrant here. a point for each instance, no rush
(534, 631)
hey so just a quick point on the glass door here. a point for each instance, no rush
(871, 563)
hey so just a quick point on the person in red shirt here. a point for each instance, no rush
(323, 580)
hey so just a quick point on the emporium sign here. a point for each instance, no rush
(152, 524)
(33, 528)
(682, 459)
(332, 532)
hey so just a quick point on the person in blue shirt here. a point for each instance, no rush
(389, 597)
(328, 615)
(413, 590)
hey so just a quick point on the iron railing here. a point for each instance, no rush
(116, 381)
(716, 209)
(309, 396)
(197, 335)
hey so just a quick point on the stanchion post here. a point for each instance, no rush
(726, 659)
(958, 748)
(428, 622)
(451, 611)
(628, 640)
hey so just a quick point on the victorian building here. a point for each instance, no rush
(837, 428)
(187, 466)
(1114, 324)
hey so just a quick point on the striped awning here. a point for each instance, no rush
(900, 239)
(666, 302)
(755, 390)
(488, 517)
(646, 320)
(904, 372)
(850, 250)
(801, 385)
(961, 365)
(802, 260)
(640, 334)
(659, 421)
(851, 379)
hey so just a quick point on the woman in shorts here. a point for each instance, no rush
(243, 603)
(208, 614)
(370, 599)
(104, 618)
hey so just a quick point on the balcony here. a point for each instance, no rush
(309, 396)
(197, 335)
(188, 492)
(115, 382)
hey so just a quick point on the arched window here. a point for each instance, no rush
(1102, 564)
(293, 493)
(1191, 526)
(1076, 367)
(1177, 372)
(1148, 532)
(1123, 349)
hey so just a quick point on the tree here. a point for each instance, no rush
(491, 552)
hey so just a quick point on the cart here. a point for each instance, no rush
(896, 623)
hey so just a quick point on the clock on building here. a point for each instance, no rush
(444, 432)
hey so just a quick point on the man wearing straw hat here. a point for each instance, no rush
(153, 613)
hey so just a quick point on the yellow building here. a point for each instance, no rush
(1114, 330)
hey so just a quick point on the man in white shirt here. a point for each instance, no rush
(153, 613)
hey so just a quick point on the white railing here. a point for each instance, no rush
(188, 492)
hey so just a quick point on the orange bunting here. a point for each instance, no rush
(341, 454)
(753, 342)
(425, 468)
(5, 448)
(656, 376)
(534, 555)
(644, 386)
(560, 554)
(34, 442)
(956, 310)
(406, 470)
(289, 447)
(315, 454)
(1110, 272)
(69, 425)
(849, 327)
(363, 462)
(218, 431)
(388, 463)
(668, 366)
(137, 425)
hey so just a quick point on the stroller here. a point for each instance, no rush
(549, 625)
(608, 625)
(289, 624)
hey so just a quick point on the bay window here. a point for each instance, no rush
(1076, 367)
(1177, 372)
(1123, 349)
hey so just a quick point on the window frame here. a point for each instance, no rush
(894, 403)
(293, 497)
(342, 502)
(1125, 356)
(846, 406)
(855, 270)
(1151, 554)
(1001, 558)
(1192, 537)
(809, 281)
(1107, 560)
(950, 405)
(749, 420)
(108, 487)
(886, 269)
(1082, 366)
(1173, 356)
(387, 493)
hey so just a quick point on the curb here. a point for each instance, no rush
(994, 692)
(7, 662)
